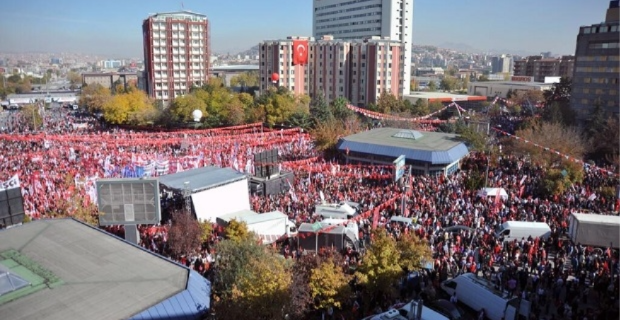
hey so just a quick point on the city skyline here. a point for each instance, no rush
(113, 28)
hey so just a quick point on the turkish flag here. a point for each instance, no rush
(300, 52)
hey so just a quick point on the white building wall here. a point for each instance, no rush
(347, 19)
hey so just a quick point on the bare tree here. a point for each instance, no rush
(184, 236)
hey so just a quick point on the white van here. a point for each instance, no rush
(409, 311)
(479, 293)
(335, 210)
(511, 230)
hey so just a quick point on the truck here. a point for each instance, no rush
(596, 230)
(479, 293)
(269, 226)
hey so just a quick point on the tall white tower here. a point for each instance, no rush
(349, 20)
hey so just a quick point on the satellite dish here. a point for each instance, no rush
(197, 115)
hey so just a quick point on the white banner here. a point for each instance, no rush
(10, 184)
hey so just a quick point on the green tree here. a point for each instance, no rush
(380, 268)
(94, 97)
(473, 139)
(560, 92)
(560, 113)
(420, 108)
(413, 252)
(182, 107)
(432, 86)
(414, 85)
(129, 108)
(319, 109)
(263, 290)
(245, 80)
(388, 103)
(340, 110)
(435, 106)
(329, 285)
(448, 83)
(237, 231)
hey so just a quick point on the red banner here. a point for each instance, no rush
(300, 52)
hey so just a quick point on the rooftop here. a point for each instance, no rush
(433, 147)
(201, 179)
(85, 273)
(445, 96)
(241, 67)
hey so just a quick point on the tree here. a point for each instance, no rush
(235, 113)
(604, 142)
(133, 107)
(94, 97)
(435, 106)
(432, 86)
(420, 108)
(245, 80)
(75, 79)
(413, 252)
(319, 109)
(560, 113)
(237, 231)
(206, 229)
(414, 85)
(184, 236)
(339, 108)
(560, 91)
(263, 290)
(448, 83)
(554, 137)
(250, 279)
(327, 133)
(329, 285)
(31, 115)
(380, 268)
(388, 103)
(473, 139)
(182, 107)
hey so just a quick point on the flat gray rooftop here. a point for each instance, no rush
(430, 141)
(431, 147)
(102, 277)
(201, 178)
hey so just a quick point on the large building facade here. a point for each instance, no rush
(176, 53)
(502, 64)
(359, 70)
(595, 79)
(539, 67)
(361, 19)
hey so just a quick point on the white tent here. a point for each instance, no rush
(492, 192)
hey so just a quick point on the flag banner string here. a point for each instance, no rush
(423, 119)
(565, 156)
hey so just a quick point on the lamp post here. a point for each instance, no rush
(197, 115)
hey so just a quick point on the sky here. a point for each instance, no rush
(113, 28)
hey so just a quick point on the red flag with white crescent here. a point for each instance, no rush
(300, 52)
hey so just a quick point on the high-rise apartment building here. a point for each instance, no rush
(502, 64)
(360, 19)
(595, 79)
(359, 70)
(176, 53)
(539, 67)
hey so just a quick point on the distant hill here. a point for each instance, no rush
(251, 52)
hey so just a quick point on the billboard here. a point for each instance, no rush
(399, 168)
(128, 201)
(11, 207)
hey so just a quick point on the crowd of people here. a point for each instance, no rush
(61, 164)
